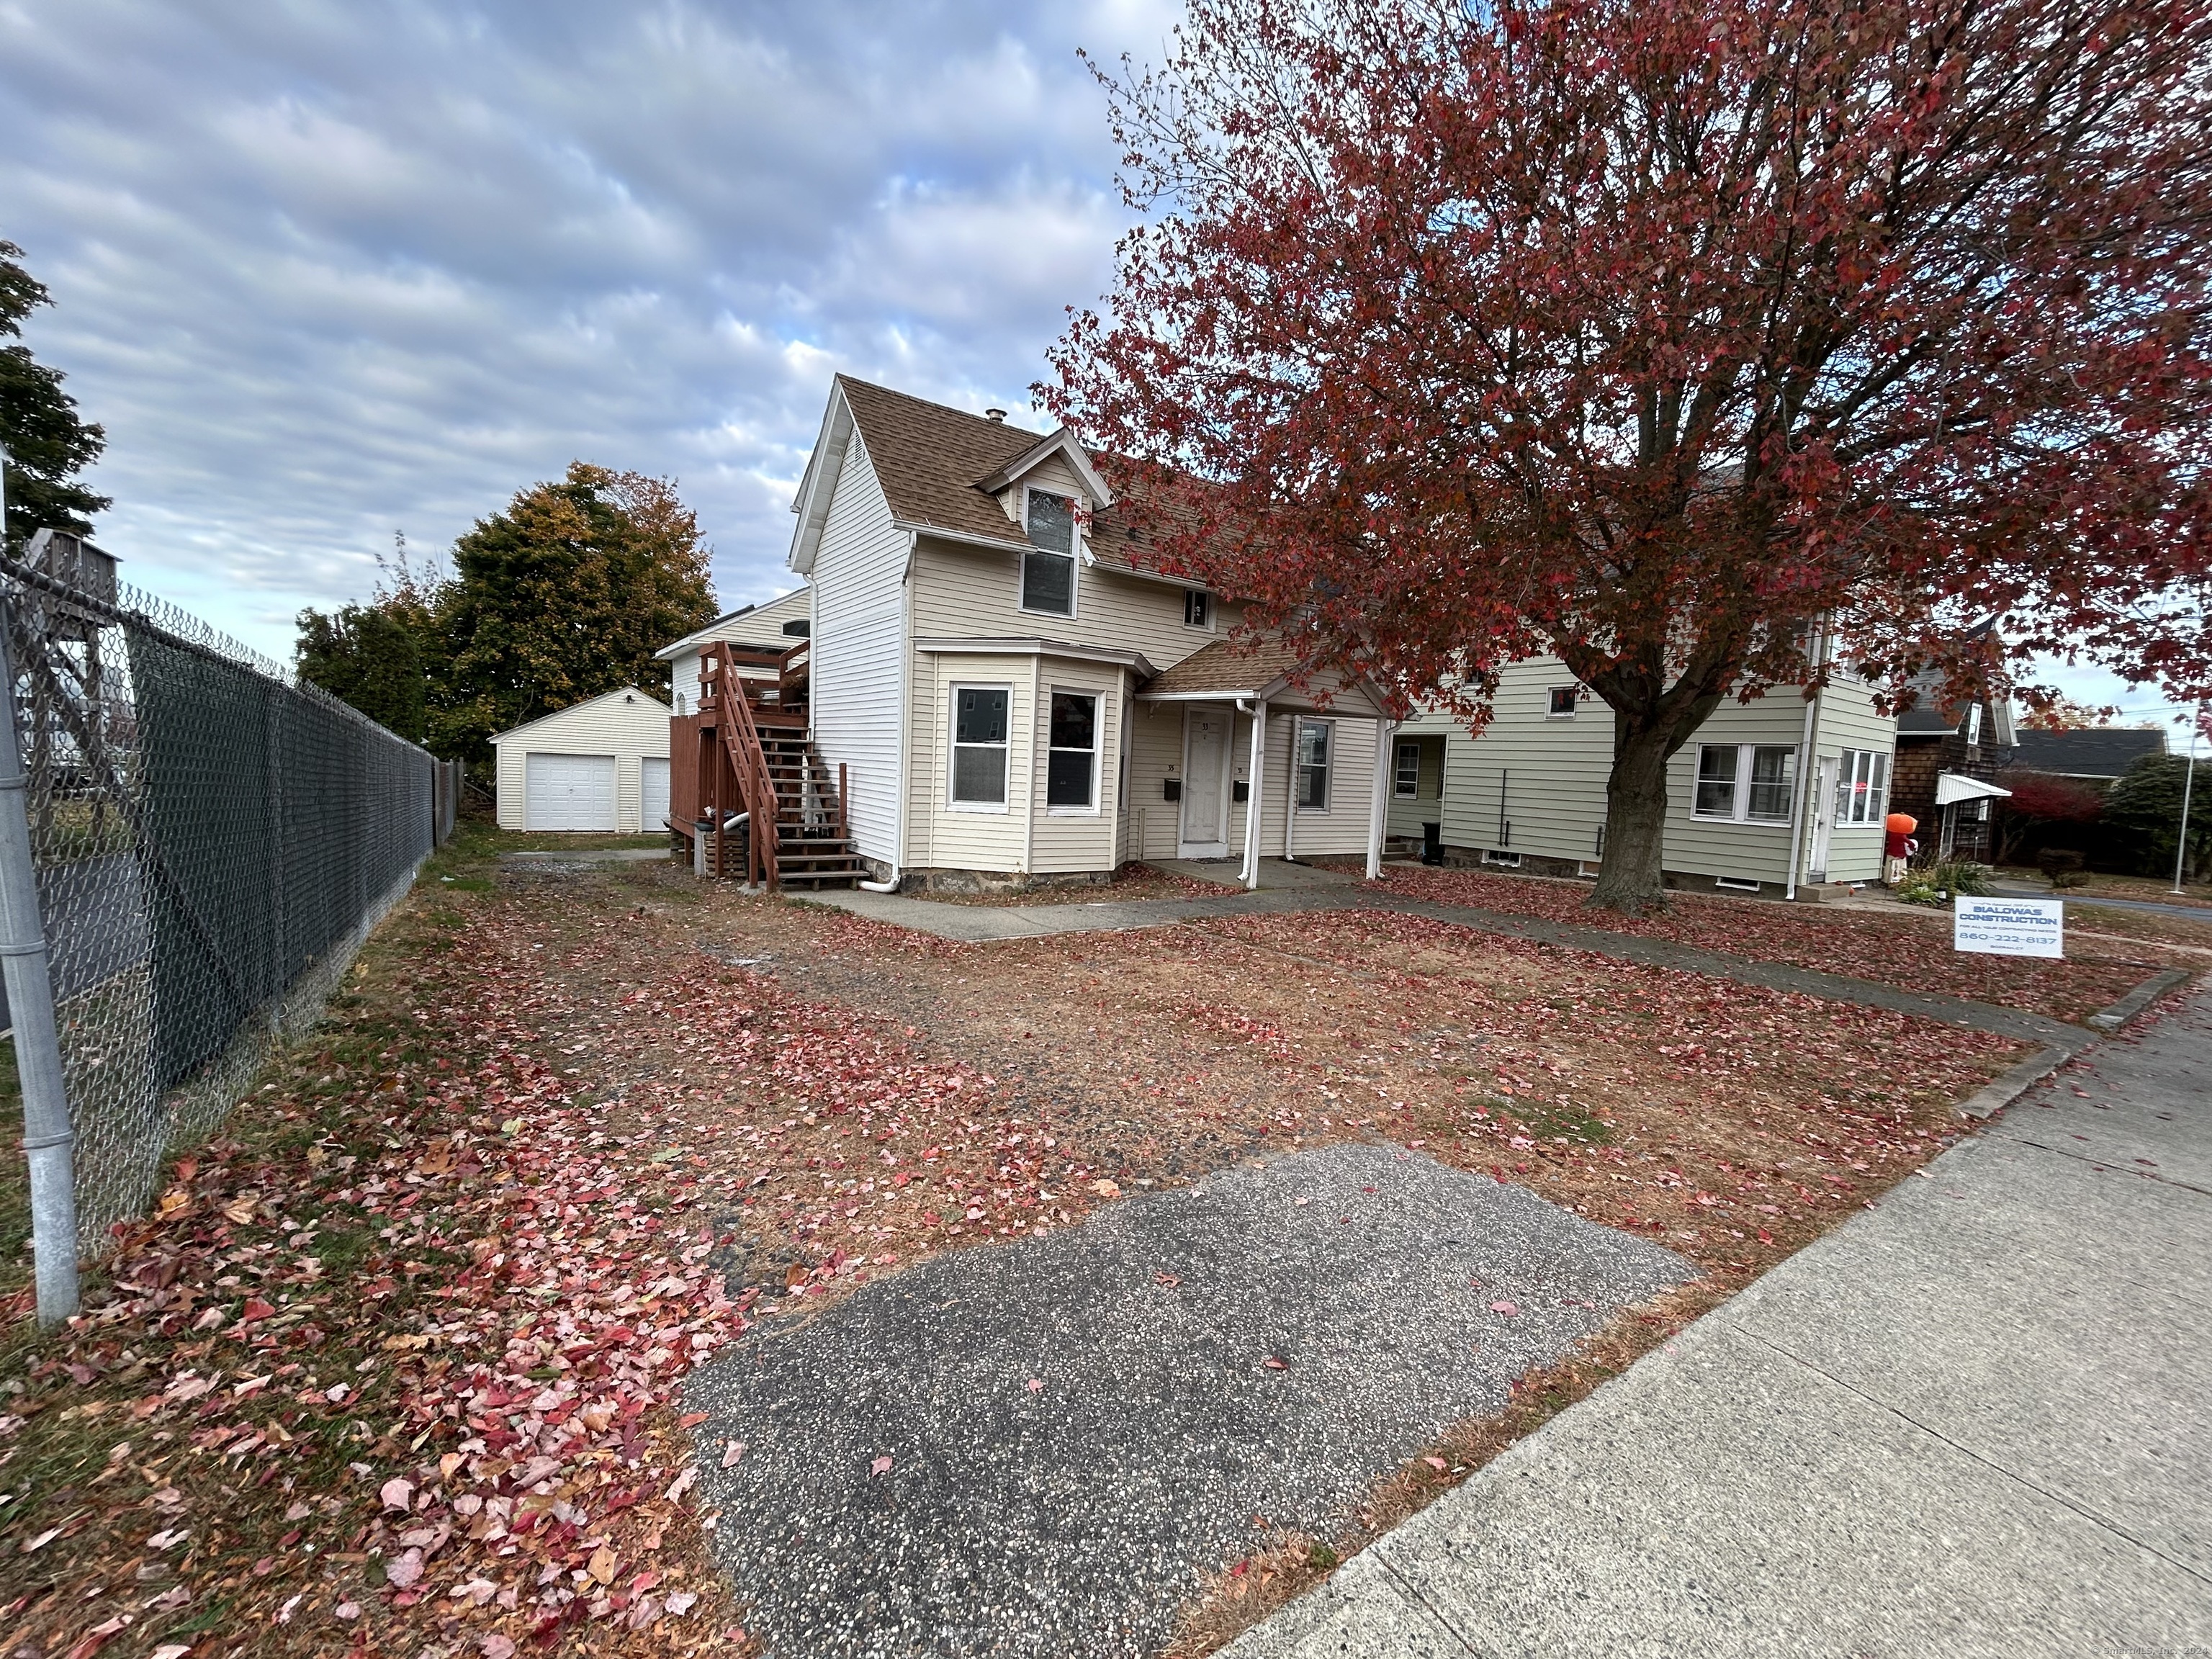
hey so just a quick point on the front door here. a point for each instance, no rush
(1205, 832)
(1824, 793)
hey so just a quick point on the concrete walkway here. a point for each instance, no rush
(1329, 889)
(1975, 1421)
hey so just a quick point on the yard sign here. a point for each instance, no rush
(2010, 926)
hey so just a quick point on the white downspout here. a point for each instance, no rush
(1291, 793)
(1254, 799)
(1378, 817)
(1808, 778)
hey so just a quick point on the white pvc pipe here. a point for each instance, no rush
(1255, 797)
(1378, 818)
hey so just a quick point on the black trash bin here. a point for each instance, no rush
(1433, 843)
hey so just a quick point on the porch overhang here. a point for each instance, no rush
(1028, 646)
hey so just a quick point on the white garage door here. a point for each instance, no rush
(656, 780)
(571, 792)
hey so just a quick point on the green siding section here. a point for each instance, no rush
(1533, 782)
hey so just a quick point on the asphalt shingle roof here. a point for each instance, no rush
(1224, 667)
(930, 459)
(2101, 752)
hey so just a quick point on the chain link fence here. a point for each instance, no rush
(211, 843)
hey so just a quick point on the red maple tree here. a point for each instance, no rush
(1709, 345)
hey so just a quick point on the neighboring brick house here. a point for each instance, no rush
(1972, 740)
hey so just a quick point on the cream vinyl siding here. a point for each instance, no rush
(1409, 812)
(1065, 840)
(1156, 754)
(938, 836)
(763, 627)
(962, 590)
(858, 642)
(1555, 770)
(1155, 737)
(1849, 720)
(626, 725)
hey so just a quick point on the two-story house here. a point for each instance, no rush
(1528, 793)
(1014, 698)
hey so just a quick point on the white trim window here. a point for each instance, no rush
(981, 723)
(1048, 567)
(1745, 782)
(1312, 760)
(1862, 788)
(1071, 783)
(1198, 608)
(1563, 699)
(1407, 770)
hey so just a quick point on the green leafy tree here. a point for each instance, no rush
(565, 595)
(2142, 810)
(47, 445)
(370, 656)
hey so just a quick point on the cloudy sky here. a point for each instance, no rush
(327, 271)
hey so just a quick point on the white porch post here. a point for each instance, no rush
(1254, 796)
(1378, 818)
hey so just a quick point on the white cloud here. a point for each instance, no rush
(329, 269)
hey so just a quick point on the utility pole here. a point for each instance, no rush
(2187, 782)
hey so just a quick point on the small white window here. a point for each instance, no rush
(1048, 567)
(1503, 860)
(1313, 766)
(1862, 786)
(1745, 782)
(1564, 699)
(1736, 884)
(1197, 609)
(1408, 771)
(1973, 725)
(979, 745)
(1072, 766)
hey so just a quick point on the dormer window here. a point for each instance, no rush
(1048, 568)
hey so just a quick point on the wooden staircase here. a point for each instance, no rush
(754, 756)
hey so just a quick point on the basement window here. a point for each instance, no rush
(1503, 860)
(1736, 884)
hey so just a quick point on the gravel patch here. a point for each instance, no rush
(1078, 1427)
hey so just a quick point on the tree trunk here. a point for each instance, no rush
(1629, 879)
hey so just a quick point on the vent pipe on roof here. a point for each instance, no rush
(994, 414)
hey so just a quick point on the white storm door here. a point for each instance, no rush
(571, 792)
(1205, 833)
(1822, 807)
(653, 777)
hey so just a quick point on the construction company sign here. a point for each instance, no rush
(2008, 926)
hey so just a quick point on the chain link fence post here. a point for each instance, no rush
(47, 1137)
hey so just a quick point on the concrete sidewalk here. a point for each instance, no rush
(1975, 1421)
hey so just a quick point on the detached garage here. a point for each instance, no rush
(600, 766)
